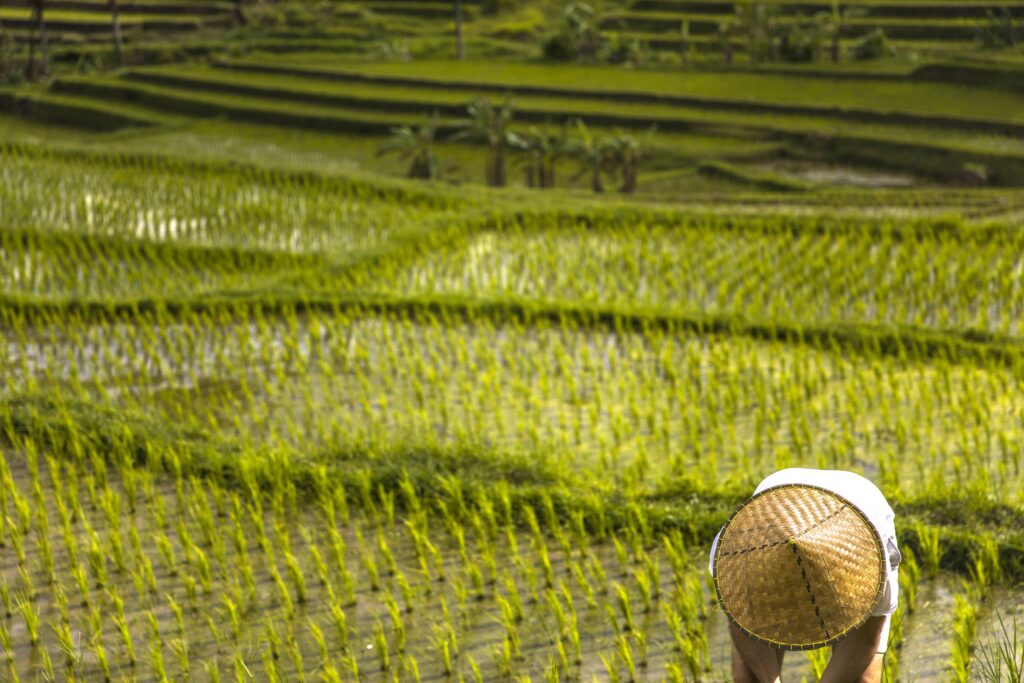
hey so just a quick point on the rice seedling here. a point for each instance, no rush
(8, 645)
(909, 578)
(1002, 657)
(297, 577)
(317, 399)
(931, 550)
(68, 647)
(28, 610)
(819, 660)
(380, 646)
(5, 598)
(965, 619)
(622, 601)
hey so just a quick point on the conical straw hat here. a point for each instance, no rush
(798, 567)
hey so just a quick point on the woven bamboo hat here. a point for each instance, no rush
(798, 567)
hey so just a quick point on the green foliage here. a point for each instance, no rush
(1001, 29)
(1002, 657)
(965, 620)
(874, 45)
(490, 123)
(579, 38)
(802, 39)
(416, 147)
(758, 23)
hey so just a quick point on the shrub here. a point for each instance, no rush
(801, 41)
(874, 45)
(579, 38)
(627, 50)
(999, 30)
(559, 48)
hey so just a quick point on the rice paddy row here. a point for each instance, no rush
(137, 562)
(636, 407)
(200, 206)
(119, 572)
(264, 425)
(122, 234)
(899, 132)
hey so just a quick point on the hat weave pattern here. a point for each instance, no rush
(798, 567)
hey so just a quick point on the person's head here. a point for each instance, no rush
(798, 567)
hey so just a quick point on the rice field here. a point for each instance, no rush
(261, 425)
(783, 270)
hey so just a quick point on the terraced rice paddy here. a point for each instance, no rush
(914, 26)
(721, 129)
(922, 276)
(267, 425)
(82, 21)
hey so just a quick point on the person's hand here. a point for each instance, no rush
(856, 657)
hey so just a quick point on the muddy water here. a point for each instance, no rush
(847, 176)
(928, 635)
(1000, 615)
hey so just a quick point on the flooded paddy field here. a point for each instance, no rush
(638, 405)
(148, 576)
(261, 427)
(850, 274)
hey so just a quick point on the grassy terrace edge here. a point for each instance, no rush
(952, 346)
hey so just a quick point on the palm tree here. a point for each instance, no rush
(490, 124)
(6, 51)
(417, 146)
(43, 68)
(582, 22)
(834, 24)
(115, 18)
(626, 152)
(460, 51)
(542, 149)
(726, 30)
(759, 22)
(684, 40)
(594, 154)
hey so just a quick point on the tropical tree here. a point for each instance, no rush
(624, 154)
(115, 17)
(726, 30)
(684, 40)
(759, 23)
(542, 150)
(1000, 29)
(802, 38)
(595, 154)
(490, 123)
(580, 35)
(42, 68)
(835, 22)
(6, 54)
(415, 146)
(460, 50)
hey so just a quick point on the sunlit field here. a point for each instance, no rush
(263, 425)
